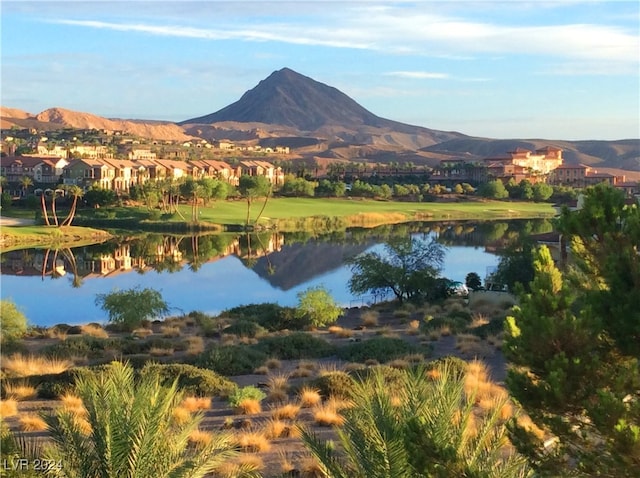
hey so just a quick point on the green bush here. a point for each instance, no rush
(272, 317)
(245, 393)
(245, 328)
(231, 360)
(13, 325)
(336, 383)
(317, 306)
(381, 349)
(193, 380)
(90, 347)
(295, 346)
(393, 377)
(50, 386)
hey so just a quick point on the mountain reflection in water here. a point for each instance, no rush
(215, 272)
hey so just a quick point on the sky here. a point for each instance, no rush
(513, 69)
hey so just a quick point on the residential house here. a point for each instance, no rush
(13, 168)
(262, 168)
(136, 154)
(174, 169)
(49, 170)
(88, 172)
(50, 149)
(91, 152)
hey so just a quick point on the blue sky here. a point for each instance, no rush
(516, 69)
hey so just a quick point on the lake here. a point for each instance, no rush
(211, 273)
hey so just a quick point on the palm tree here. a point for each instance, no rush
(25, 183)
(425, 426)
(130, 431)
(76, 192)
(43, 205)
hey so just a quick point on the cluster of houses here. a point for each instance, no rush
(543, 165)
(121, 174)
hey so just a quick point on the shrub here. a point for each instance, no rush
(317, 307)
(193, 380)
(85, 346)
(381, 349)
(334, 384)
(129, 308)
(245, 328)
(295, 346)
(245, 393)
(231, 359)
(13, 324)
(272, 317)
(453, 324)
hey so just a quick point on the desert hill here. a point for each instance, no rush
(58, 118)
(320, 122)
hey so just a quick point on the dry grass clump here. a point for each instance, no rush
(195, 345)
(453, 306)
(19, 365)
(73, 404)
(142, 333)
(273, 364)
(371, 362)
(413, 328)
(253, 462)
(285, 460)
(478, 385)
(309, 397)
(94, 330)
(32, 423)
(339, 403)
(262, 370)
(253, 441)
(399, 363)
(354, 366)
(286, 412)
(328, 368)
(387, 331)
(249, 406)
(278, 381)
(326, 415)
(370, 318)
(56, 333)
(311, 467)
(340, 332)
(478, 320)
(181, 415)
(20, 391)
(196, 403)
(200, 438)
(170, 331)
(277, 395)
(525, 422)
(275, 428)
(470, 344)
(414, 358)
(160, 352)
(8, 408)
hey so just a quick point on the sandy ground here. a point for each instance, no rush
(15, 221)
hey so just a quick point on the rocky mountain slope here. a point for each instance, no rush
(320, 122)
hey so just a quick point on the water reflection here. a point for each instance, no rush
(214, 272)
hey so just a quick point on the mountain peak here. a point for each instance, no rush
(289, 98)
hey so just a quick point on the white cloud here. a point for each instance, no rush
(406, 30)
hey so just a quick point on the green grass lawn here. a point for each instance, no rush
(234, 212)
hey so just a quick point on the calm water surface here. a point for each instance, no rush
(216, 273)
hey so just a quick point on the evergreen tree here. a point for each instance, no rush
(575, 344)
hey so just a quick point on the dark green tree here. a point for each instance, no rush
(574, 342)
(493, 190)
(542, 192)
(408, 268)
(473, 281)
